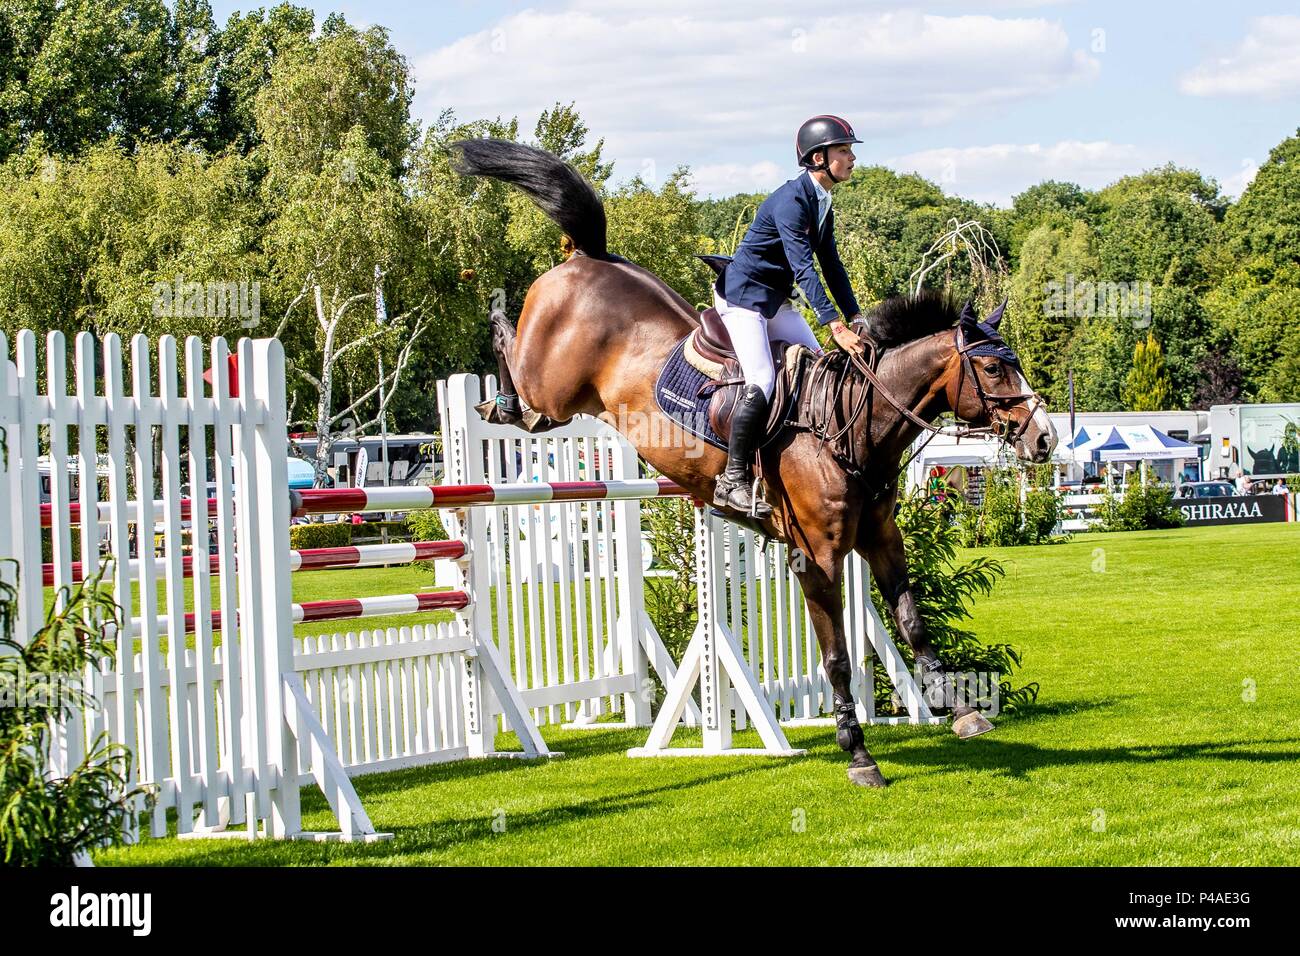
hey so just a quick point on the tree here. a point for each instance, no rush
(658, 230)
(245, 53)
(1221, 380)
(319, 93)
(88, 243)
(1052, 289)
(1253, 305)
(336, 133)
(88, 69)
(1147, 387)
(1050, 201)
(1097, 354)
(1157, 232)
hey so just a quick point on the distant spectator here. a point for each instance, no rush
(1243, 484)
(356, 519)
(1279, 488)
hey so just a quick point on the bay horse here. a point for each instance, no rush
(595, 331)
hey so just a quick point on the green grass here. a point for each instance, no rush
(1141, 749)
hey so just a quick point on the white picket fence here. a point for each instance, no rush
(556, 629)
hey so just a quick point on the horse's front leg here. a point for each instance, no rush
(819, 576)
(881, 543)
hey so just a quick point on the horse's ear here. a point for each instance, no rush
(996, 315)
(968, 313)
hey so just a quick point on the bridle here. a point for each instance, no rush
(993, 406)
(992, 403)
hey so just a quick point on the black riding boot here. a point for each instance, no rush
(735, 485)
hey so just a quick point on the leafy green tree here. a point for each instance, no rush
(1051, 289)
(1099, 358)
(87, 243)
(1158, 230)
(88, 69)
(1147, 387)
(658, 230)
(245, 52)
(1252, 307)
(1052, 202)
(319, 93)
(723, 221)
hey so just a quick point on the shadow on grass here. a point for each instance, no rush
(1011, 759)
(1048, 710)
(441, 834)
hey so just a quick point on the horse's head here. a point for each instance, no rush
(986, 387)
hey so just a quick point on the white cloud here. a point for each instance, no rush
(687, 84)
(996, 173)
(727, 179)
(1236, 184)
(1266, 63)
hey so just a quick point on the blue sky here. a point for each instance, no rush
(984, 98)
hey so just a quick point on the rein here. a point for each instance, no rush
(841, 449)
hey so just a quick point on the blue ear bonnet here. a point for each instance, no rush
(983, 337)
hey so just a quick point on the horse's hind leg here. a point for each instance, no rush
(820, 580)
(506, 408)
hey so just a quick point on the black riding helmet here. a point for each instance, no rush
(818, 133)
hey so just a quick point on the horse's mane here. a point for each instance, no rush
(905, 318)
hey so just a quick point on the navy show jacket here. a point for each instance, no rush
(777, 252)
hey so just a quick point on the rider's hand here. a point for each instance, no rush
(846, 338)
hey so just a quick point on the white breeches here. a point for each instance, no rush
(750, 334)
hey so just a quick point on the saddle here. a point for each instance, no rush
(708, 350)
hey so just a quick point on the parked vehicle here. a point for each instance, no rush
(1206, 489)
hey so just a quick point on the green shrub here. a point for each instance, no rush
(332, 534)
(426, 525)
(943, 590)
(47, 820)
(1002, 520)
(670, 599)
(1145, 505)
(385, 530)
(47, 545)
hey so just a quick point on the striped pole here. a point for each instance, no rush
(105, 511)
(316, 501)
(310, 559)
(359, 500)
(346, 609)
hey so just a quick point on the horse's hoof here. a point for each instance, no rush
(971, 725)
(866, 777)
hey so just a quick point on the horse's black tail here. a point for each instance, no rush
(559, 190)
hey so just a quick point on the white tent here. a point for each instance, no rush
(1085, 441)
(1144, 443)
(964, 451)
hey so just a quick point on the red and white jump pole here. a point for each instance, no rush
(348, 608)
(318, 501)
(312, 559)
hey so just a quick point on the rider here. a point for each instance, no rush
(752, 295)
